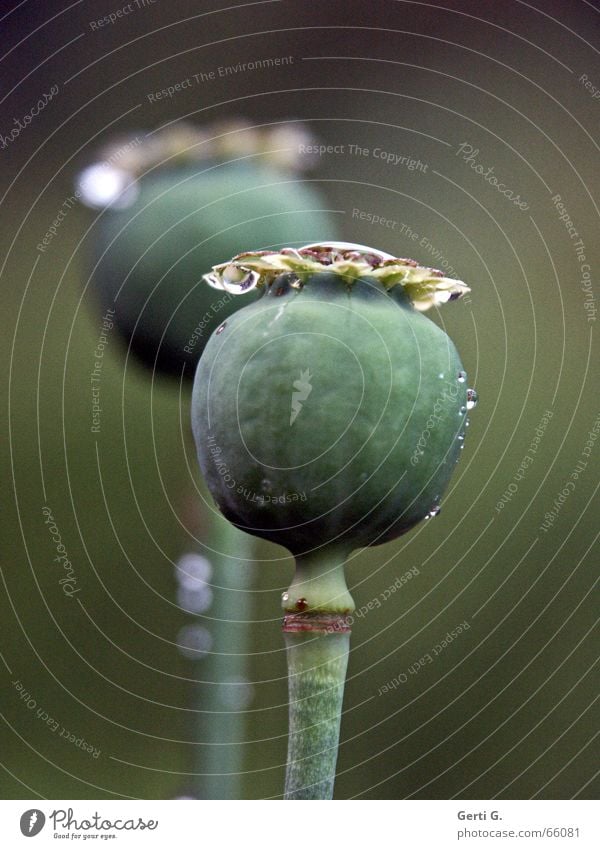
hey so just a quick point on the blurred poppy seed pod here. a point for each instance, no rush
(175, 201)
(331, 411)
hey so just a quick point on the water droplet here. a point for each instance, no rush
(441, 375)
(221, 328)
(362, 477)
(285, 597)
(233, 280)
(344, 246)
(472, 399)
(266, 486)
(301, 604)
(193, 570)
(461, 437)
(462, 411)
(236, 280)
(194, 641)
(461, 376)
(435, 511)
(467, 422)
(196, 600)
(296, 283)
(236, 694)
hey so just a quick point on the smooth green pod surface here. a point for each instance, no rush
(330, 411)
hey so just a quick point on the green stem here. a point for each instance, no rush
(221, 725)
(317, 637)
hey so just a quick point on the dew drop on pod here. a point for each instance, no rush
(174, 200)
(328, 415)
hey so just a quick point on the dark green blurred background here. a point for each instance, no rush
(508, 708)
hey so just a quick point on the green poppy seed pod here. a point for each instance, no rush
(174, 202)
(331, 411)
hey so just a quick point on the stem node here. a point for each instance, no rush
(317, 638)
